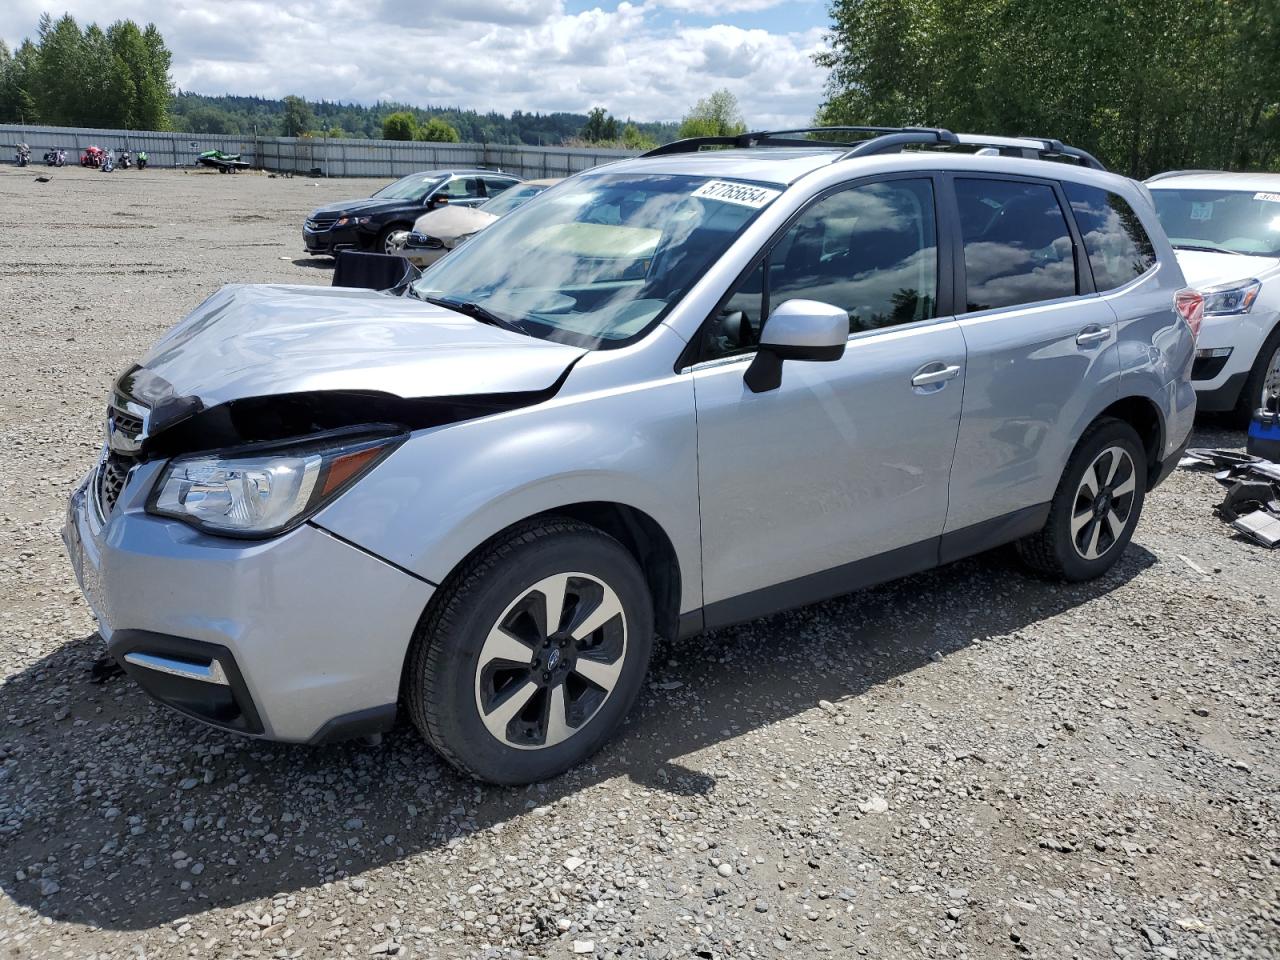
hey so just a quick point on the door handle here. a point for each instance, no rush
(1093, 334)
(932, 373)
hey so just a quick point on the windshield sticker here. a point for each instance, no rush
(743, 194)
(1269, 197)
(1202, 211)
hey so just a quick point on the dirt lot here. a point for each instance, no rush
(968, 763)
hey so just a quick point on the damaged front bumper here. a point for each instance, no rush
(298, 638)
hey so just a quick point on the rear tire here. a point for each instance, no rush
(1095, 508)
(503, 696)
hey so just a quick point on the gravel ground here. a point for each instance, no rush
(969, 763)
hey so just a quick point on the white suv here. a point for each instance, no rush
(1225, 228)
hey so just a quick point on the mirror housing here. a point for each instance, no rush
(797, 330)
(437, 201)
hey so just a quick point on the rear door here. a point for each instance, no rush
(839, 477)
(1041, 354)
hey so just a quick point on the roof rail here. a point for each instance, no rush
(1178, 173)
(881, 140)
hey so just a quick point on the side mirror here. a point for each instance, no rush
(797, 330)
(437, 201)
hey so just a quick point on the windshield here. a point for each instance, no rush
(599, 259)
(1231, 221)
(511, 198)
(413, 187)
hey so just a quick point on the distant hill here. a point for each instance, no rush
(247, 116)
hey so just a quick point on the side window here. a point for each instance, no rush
(1017, 246)
(872, 250)
(495, 185)
(461, 188)
(1118, 247)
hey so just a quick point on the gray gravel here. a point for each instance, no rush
(970, 763)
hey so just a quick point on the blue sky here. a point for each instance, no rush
(646, 59)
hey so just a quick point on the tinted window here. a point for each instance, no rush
(872, 250)
(1118, 248)
(461, 188)
(495, 185)
(1017, 248)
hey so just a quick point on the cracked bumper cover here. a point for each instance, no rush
(309, 632)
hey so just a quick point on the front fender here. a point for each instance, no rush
(450, 488)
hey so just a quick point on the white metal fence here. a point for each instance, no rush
(324, 157)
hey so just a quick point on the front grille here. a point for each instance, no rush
(113, 471)
(320, 223)
(126, 423)
(428, 243)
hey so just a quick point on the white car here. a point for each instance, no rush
(1225, 228)
(436, 233)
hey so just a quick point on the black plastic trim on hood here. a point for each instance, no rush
(297, 416)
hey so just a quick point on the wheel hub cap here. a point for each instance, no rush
(551, 661)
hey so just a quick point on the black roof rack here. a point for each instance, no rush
(880, 140)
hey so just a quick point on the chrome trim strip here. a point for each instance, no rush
(212, 673)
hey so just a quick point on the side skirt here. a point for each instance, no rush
(868, 572)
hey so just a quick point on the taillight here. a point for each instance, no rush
(1190, 305)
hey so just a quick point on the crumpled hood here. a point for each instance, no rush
(263, 340)
(449, 223)
(1204, 270)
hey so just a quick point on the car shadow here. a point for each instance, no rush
(316, 263)
(118, 813)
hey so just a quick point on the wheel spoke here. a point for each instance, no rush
(603, 675)
(1079, 520)
(1089, 482)
(1125, 487)
(498, 718)
(608, 608)
(1115, 524)
(1115, 465)
(1095, 532)
(553, 590)
(558, 728)
(501, 645)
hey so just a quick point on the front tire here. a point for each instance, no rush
(533, 653)
(1095, 508)
(392, 240)
(1265, 368)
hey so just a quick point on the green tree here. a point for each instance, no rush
(335, 132)
(600, 127)
(436, 130)
(298, 118)
(633, 139)
(1124, 80)
(399, 126)
(717, 115)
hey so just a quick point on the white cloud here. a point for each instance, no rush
(499, 55)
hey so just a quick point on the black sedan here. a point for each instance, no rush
(380, 222)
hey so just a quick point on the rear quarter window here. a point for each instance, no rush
(1118, 247)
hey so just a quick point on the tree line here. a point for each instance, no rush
(1146, 85)
(69, 76)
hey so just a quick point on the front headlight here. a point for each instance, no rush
(1229, 299)
(263, 494)
(352, 221)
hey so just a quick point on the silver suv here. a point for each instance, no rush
(669, 394)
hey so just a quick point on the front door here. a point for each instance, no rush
(839, 477)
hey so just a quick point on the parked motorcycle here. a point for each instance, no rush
(108, 164)
(125, 160)
(24, 155)
(142, 159)
(55, 158)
